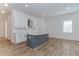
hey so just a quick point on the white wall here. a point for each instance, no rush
(6, 33)
(8, 26)
(2, 26)
(20, 20)
(5, 26)
(54, 26)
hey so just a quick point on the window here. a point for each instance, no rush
(67, 26)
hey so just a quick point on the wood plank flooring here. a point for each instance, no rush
(55, 47)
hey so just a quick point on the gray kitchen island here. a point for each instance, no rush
(35, 40)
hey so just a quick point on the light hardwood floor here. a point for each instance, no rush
(55, 47)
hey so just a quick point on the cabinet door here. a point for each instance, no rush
(18, 38)
(21, 37)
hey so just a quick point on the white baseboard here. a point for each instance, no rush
(66, 38)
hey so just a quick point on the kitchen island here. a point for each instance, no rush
(35, 40)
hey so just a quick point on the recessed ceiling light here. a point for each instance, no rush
(6, 4)
(26, 5)
(67, 8)
(2, 12)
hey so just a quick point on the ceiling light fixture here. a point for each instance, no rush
(2, 12)
(6, 4)
(26, 5)
(67, 8)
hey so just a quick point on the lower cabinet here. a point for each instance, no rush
(36, 40)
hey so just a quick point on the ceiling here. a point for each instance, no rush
(43, 9)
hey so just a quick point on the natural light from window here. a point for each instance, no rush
(67, 26)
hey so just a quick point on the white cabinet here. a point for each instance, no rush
(20, 37)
